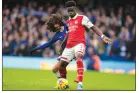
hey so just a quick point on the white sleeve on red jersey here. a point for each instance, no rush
(86, 22)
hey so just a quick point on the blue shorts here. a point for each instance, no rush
(58, 58)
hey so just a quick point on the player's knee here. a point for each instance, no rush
(63, 64)
(79, 62)
(78, 55)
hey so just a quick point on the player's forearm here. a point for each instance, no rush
(42, 46)
(97, 31)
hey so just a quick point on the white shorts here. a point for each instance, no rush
(70, 53)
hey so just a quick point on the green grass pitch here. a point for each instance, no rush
(21, 79)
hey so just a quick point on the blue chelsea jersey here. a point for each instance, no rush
(60, 35)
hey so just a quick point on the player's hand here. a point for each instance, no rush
(106, 40)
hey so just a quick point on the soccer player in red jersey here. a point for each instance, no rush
(75, 47)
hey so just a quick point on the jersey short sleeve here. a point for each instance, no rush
(86, 22)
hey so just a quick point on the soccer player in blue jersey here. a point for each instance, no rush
(55, 24)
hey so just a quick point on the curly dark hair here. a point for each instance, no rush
(54, 19)
(70, 3)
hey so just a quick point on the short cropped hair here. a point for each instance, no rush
(70, 3)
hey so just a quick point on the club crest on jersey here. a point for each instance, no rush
(76, 22)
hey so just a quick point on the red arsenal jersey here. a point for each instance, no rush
(76, 30)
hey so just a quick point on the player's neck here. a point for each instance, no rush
(73, 15)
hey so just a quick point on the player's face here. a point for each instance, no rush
(57, 27)
(71, 11)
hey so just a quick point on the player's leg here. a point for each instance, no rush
(79, 53)
(80, 70)
(62, 69)
(66, 58)
(55, 69)
(58, 72)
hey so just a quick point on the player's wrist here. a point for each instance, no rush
(102, 36)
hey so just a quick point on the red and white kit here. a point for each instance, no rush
(76, 37)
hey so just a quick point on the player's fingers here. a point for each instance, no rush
(109, 40)
(106, 41)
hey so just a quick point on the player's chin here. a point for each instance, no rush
(71, 13)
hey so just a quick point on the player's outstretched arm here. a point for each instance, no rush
(99, 33)
(86, 22)
(49, 43)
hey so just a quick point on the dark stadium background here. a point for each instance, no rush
(106, 6)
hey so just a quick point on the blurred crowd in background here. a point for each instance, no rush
(24, 28)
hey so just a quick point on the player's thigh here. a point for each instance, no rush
(79, 49)
(67, 55)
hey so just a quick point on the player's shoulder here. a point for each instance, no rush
(80, 15)
(84, 17)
